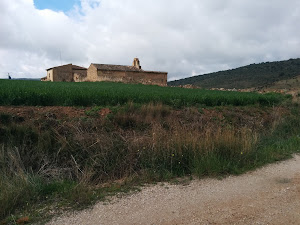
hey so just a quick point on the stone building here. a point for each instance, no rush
(67, 73)
(106, 72)
(126, 74)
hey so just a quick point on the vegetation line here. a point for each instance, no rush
(35, 93)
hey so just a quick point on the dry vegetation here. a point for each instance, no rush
(57, 157)
(68, 156)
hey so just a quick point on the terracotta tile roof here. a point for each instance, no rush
(110, 67)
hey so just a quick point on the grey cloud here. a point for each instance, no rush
(184, 38)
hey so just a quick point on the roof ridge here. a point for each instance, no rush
(110, 64)
(115, 67)
(76, 66)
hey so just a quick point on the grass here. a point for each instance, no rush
(36, 93)
(39, 199)
(146, 134)
(75, 162)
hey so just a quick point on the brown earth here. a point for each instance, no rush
(270, 195)
(240, 116)
(30, 112)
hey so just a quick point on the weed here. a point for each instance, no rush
(94, 111)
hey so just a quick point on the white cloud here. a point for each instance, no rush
(184, 38)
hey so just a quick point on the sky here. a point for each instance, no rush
(183, 38)
(56, 5)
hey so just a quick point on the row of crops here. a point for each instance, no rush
(36, 93)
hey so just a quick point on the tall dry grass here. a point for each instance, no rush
(45, 158)
(15, 185)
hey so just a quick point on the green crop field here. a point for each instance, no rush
(36, 93)
(52, 158)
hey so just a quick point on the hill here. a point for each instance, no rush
(251, 76)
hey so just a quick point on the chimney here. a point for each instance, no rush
(136, 63)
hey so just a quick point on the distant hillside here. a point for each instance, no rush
(251, 76)
(26, 78)
(290, 83)
(21, 78)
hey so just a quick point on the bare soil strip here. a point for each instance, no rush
(270, 195)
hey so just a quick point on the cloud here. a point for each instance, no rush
(184, 38)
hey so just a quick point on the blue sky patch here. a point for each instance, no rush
(56, 5)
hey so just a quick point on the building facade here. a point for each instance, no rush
(106, 72)
(66, 73)
(126, 74)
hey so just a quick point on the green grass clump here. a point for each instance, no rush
(36, 93)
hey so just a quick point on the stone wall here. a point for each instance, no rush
(63, 73)
(142, 77)
(114, 76)
(132, 77)
(153, 78)
(92, 73)
(50, 75)
(79, 75)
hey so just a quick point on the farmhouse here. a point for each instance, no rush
(67, 73)
(106, 72)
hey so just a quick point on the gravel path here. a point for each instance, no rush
(270, 195)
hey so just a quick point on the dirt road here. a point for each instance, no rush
(270, 195)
